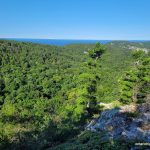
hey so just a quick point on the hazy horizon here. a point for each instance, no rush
(75, 39)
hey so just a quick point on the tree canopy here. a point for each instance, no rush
(48, 93)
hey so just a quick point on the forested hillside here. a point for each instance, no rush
(48, 93)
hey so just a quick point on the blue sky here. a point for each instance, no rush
(75, 19)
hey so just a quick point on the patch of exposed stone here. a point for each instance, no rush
(137, 48)
(131, 122)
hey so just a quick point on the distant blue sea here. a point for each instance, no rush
(58, 42)
(61, 42)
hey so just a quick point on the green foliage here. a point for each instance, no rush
(41, 88)
(97, 51)
(137, 54)
(47, 93)
(94, 141)
(135, 84)
(8, 109)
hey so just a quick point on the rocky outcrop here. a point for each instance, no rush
(130, 122)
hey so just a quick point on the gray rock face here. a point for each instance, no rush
(120, 123)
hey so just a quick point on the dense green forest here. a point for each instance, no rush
(48, 93)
